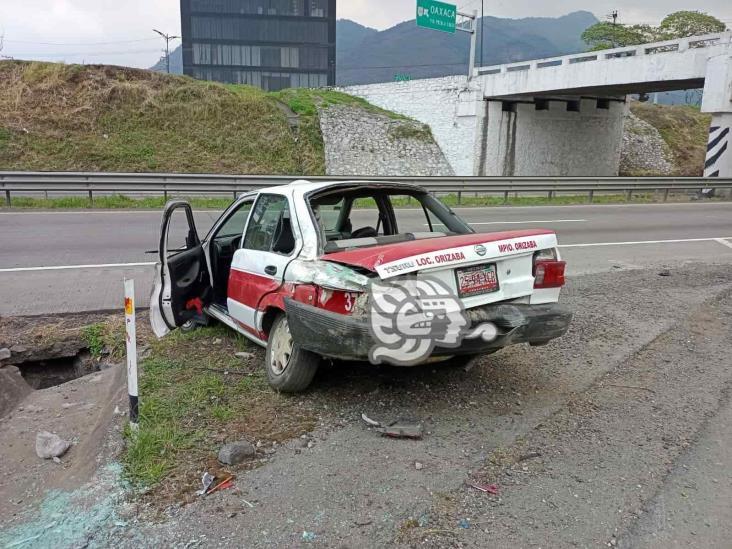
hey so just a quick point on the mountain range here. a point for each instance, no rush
(365, 55)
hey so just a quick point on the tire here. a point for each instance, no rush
(290, 368)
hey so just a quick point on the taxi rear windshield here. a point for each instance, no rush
(367, 217)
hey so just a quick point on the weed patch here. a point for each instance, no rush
(196, 394)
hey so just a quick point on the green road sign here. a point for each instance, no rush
(436, 15)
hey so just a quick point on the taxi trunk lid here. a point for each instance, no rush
(479, 268)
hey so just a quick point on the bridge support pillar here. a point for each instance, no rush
(551, 137)
(718, 102)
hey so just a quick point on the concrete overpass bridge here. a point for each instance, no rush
(563, 116)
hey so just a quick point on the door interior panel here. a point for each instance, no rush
(189, 280)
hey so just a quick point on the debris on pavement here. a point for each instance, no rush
(665, 272)
(49, 446)
(308, 536)
(402, 430)
(419, 466)
(234, 453)
(529, 455)
(247, 503)
(464, 523)
(228, 482)
(206, 480)
(370, 421)
(472, 363)
(487, 488)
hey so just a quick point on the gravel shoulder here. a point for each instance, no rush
(355, 489)
(585, 439)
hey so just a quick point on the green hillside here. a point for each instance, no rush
(684, 129)
(56, 117)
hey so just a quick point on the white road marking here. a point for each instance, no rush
(675, 241)
(721, 240)
(70, 267)
(517, 222)
(523, 222)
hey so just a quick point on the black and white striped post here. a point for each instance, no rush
(717, 158)
(131, 344)
(716, 149)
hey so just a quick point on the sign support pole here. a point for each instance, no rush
(131, 344)
(473, 40)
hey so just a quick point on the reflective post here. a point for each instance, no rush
(131, 344)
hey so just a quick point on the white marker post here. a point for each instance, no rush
(131, 340)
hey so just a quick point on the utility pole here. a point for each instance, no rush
(167, 38)
(614, 16)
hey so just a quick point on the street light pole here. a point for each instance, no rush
(167, 38)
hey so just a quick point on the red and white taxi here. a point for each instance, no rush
(289, 267)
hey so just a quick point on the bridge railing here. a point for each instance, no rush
(677, 45)
(88, 184)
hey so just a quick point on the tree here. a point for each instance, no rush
(689, 23)
(602, 36)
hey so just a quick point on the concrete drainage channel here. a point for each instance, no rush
(42, 374)
(19, 379)
(31, 362)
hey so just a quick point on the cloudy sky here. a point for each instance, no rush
(120, 31)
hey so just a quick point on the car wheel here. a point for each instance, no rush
(290, 368)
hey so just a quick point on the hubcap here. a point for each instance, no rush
(281, 348)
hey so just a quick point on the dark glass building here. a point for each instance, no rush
(273, 44)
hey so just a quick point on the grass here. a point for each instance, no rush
(125, 202)
(305, 102)
(684, 128)
(189, 406)
(56, 117)
(111, 202)
(105, 338)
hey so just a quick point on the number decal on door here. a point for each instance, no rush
(350, 302)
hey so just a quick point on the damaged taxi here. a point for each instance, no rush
(290, 268)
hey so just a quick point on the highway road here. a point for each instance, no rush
(69, 261)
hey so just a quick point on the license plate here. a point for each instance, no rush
(479, 279)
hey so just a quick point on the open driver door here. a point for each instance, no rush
(182, 285)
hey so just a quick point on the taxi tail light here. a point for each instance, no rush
(549, 273)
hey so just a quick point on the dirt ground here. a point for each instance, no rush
(616, 435)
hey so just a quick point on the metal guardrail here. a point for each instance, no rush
(194, 184)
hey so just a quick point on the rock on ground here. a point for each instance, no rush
(50, 446)
(236, 452)
(13, 389)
